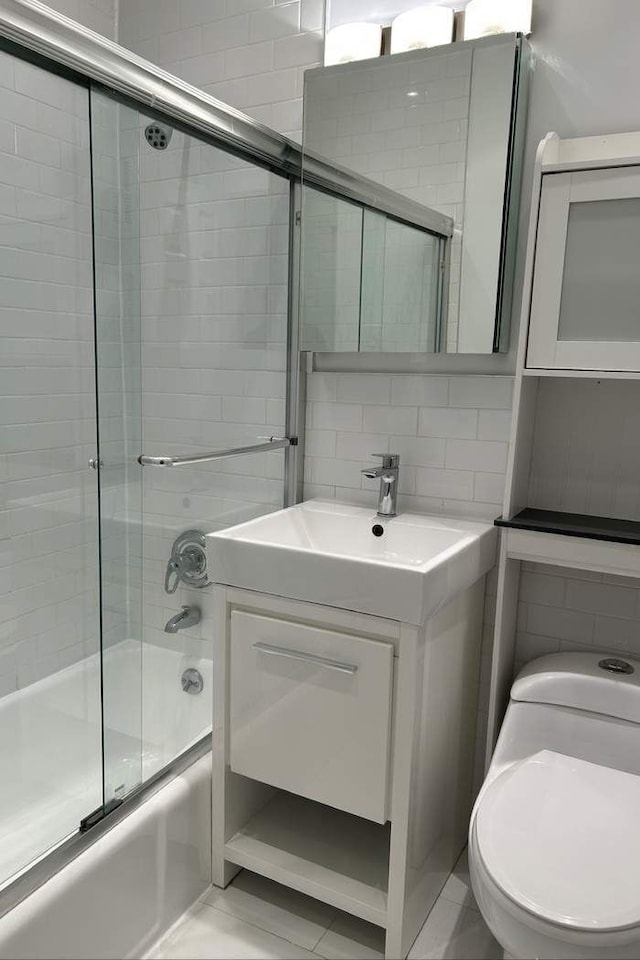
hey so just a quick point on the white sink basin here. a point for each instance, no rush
(325, 552)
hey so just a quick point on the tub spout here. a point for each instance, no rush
(188, 617)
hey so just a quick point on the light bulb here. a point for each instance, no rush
(352, 41)
(428, 26)
(485, 17)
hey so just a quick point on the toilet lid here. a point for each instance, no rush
(561, 837)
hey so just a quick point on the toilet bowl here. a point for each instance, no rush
(554, 838)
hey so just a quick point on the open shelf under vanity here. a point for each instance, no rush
(325, 853)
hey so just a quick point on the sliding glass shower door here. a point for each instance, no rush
(199, 337)
(143, 312)
(50, 710)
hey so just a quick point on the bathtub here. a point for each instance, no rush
(51, 741)
(145, 867)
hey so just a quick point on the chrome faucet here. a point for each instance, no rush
(188, 617)
(388, 474)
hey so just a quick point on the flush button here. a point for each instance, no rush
(613, 665)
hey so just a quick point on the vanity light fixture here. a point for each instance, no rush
(352, 41)
(426, 26)
(485, 17)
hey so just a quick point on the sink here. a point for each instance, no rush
(326, 552)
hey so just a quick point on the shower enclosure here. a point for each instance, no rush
(152, 387)
(144, 305)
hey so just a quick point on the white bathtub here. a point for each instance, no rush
(122, 893)
(51, 741)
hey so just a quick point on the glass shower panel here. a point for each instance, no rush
(50, 736)
(214, 252)
(201, 325)
(116, 193)
(400, 267)
(331, 272)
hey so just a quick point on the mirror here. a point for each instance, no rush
(407, 139)
(370, 283)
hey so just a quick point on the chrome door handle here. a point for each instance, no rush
(289, 654)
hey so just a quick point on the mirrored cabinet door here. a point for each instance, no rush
(423, 136)
(585, 308)
(368, 282)
(400, 287)
(331, 258)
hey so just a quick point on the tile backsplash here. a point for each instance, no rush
(452, 434)
(560, 609)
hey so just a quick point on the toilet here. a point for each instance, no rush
(554, 838)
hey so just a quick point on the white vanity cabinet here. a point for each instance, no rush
(343, 751)
(310, 711)
(585, 302)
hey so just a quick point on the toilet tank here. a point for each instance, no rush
(571, 704)
(583, 681)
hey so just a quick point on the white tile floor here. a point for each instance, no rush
(256, 918)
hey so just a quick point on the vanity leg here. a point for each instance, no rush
(435, 721)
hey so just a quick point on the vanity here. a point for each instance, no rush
(345, 698)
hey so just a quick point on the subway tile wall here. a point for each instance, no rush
(452, 435)
(561, 609)
(116, 203)
(214, 272)
(214, 276)
(48, 508)
(98, 15)
(249, 53)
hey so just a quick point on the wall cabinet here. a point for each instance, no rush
(585, 305)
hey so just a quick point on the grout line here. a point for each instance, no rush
(227, 913)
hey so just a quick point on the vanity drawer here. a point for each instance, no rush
(311, 712)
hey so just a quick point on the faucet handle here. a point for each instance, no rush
(390, 461)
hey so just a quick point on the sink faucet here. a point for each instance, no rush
(388, 473)
(188, 617)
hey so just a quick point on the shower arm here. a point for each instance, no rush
(271, 443)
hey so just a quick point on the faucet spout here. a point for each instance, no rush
(388, 474)
(188, 617)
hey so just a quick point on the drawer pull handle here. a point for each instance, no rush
(274, 651)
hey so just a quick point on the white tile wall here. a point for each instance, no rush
(248, 53)
(48, 496)
(561, 609)
(98, 15)
(214, 274)
(116, 197)
(578, 463)
(433, 422)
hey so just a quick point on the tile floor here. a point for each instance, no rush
(256, 918)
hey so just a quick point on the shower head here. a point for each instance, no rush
(158, 135)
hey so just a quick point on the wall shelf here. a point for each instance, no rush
(574, 525)
(581, 374)
(336, 857)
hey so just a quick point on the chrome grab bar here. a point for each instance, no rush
(288, 654)
(272, 443)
